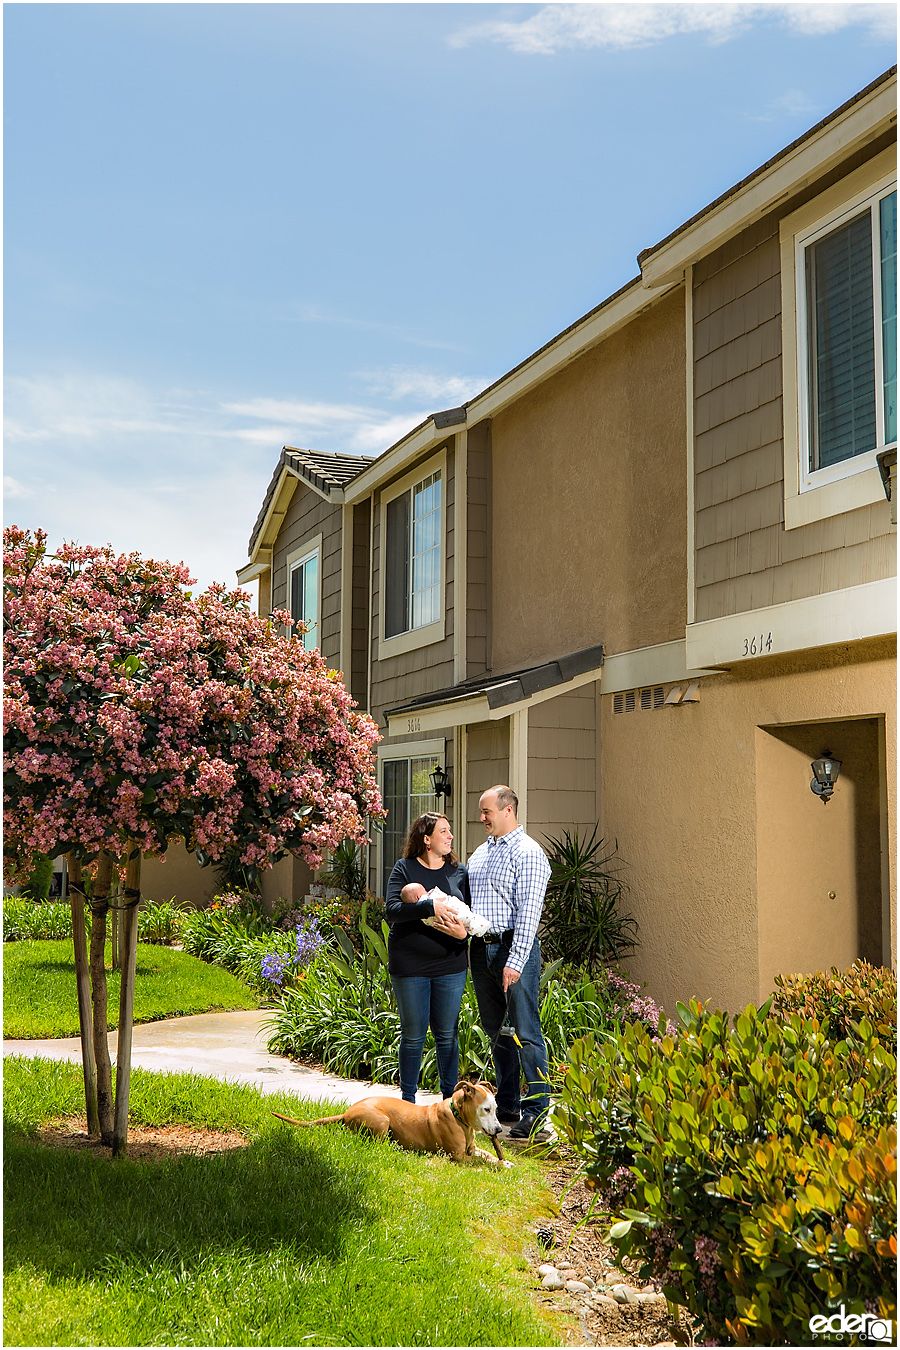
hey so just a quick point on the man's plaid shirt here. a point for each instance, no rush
(507, 880)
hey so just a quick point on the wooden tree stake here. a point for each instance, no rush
(99, 994)
(128, 942)
(83, 980)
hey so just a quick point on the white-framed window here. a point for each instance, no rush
(413, 563)
(407, 791)
(839, 318)
(304, 591)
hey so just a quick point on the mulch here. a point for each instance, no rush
(146, 1143)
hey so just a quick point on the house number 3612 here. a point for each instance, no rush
(754, 646)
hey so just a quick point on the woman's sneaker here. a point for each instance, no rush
(534, 1131)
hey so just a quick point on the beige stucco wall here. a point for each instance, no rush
(589, 500)
(179, 875)
(695, 793)
(487, 751)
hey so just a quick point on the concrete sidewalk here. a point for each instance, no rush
(230, 1046)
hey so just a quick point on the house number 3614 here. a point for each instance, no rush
(754, 646)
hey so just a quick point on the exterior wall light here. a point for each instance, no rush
(825, 774)
(440, 782)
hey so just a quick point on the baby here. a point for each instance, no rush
(474, 924)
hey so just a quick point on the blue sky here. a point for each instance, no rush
(232, 227)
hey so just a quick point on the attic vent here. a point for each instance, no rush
(646, 699)
(652, 698)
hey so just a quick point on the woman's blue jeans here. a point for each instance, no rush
(424, 999)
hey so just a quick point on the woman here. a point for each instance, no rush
(427, 964)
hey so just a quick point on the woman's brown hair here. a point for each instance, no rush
(421, 829)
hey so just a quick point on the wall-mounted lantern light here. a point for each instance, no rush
(440, 781)
(825, 774)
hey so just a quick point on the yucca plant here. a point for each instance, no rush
(584, 923)
(346, 871)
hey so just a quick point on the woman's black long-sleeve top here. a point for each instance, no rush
(414, 947)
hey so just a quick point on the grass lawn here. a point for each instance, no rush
(40, 998)
(302, 1238)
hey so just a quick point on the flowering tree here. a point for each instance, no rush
(137, 714)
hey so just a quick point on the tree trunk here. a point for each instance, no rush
(128, 938)
(99, 908)
(83, 981)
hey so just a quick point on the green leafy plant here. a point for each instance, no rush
(36, 886)
(160, 921)
(346, 871)
(23, 919)
(583, 922)
(753, 1162)
(841, 999)
(342, 1012)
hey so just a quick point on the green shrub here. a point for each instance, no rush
(752, 1163)
(160, 921)
(841, 999)
(342, 1012)
(23, 919)
(264, 957)
(37, 887)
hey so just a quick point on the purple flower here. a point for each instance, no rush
(272, 968)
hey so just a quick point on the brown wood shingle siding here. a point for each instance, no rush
(358, 674)
(745, 559)
(307, 516)
(562, 763)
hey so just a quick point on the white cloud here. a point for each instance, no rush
(562, 27)
(410, 382)
(12, 488)
(171, 473)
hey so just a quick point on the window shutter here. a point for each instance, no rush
(396, 567)
(841, 344)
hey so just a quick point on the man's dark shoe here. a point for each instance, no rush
(534, 1131)
(508, 1117)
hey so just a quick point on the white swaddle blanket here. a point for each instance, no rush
(474, 924)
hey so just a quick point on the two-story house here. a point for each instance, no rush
(648, 577)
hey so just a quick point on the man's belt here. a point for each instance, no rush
(496, 937)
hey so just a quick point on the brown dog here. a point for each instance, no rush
(445, 1127)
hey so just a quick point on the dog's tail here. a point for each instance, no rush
(323, 1120)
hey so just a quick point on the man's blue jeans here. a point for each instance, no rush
(487, 960)
(422, 999)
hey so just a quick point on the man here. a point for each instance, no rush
(508, 876)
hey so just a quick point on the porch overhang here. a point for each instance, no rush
(490, 698)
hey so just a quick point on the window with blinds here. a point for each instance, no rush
(850, 274)
(412, 592)
(407, 792)
(304, 596)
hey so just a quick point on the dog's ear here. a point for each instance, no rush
(465, 1087)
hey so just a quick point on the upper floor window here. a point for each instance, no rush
(849, 277)
(304, 595)
(412, 592)
(839, 342)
